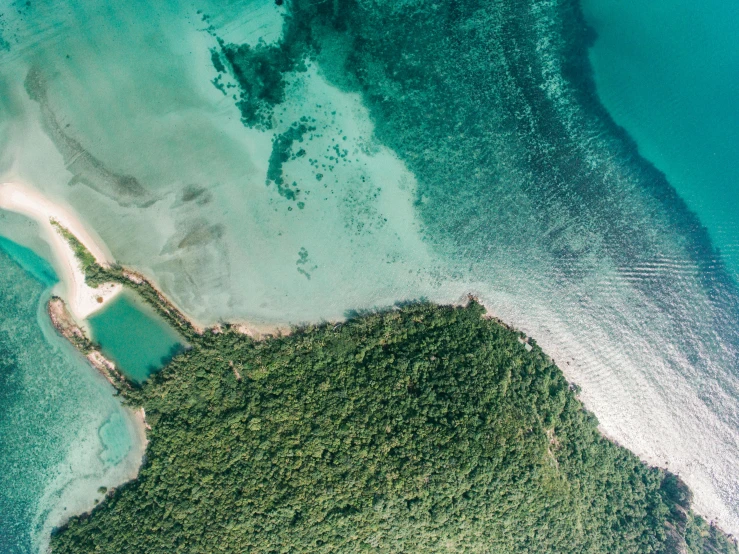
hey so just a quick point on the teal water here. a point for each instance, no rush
(668, 72)
(31, 262)
(406, 150)
(62, 433)
(134, 336)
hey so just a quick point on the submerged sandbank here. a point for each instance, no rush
(83, 480)
(81, 299)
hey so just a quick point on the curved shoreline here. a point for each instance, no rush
(84, 492)
(68, 318)
(82, 300)
(145, 287)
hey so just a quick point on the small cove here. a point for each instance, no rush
(134, 336)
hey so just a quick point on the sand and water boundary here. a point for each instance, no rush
(82, 300)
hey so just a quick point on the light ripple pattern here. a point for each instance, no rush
(417, 152)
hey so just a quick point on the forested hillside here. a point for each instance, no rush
(422, 429)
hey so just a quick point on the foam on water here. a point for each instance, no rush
(477, 158)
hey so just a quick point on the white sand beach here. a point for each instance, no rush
(81, 299)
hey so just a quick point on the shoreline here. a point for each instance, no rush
(81, 299)
(82, 494)
(21, 200)
(68, 328)
(72, 302)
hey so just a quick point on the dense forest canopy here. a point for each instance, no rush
(420, 429)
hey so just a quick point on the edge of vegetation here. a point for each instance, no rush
(387, 432)
(96, 275)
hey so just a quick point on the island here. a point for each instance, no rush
(421, 428)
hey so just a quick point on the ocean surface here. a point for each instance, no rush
(62, 433)
(295, 163)
(668, 72)
(131, 334)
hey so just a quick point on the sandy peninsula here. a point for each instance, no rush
(76, 487)
(81, 299)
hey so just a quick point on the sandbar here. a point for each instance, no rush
(81, 299)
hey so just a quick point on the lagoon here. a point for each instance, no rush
(62, 432)
(134, 336)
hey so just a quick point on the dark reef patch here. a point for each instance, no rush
(8, 362)
(88, 170)
(493, 107)
(260, 71)
(194, 193)
(282, 152)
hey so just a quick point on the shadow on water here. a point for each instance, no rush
(135, 337)
(174, 351)
(363, 312)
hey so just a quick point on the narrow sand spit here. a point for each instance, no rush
(81, 299)
(75, 489)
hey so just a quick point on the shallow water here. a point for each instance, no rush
(134, 336)
(445, 151)
(63, 433)
(155, 159)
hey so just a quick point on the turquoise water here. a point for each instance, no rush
(62, 433)
(408, 150)
(668, 72)
(134, 336)
(31, 262)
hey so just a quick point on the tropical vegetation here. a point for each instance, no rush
(418, 429)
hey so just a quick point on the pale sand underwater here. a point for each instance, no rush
(75, 488)
(64, 432)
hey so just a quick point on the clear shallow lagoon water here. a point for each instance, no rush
(130, 131)
(453, 150)
(62, 432)
(134, 336)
